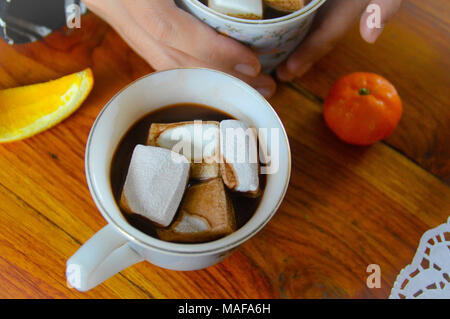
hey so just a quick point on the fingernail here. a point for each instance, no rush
(246, 69)
(266, 92)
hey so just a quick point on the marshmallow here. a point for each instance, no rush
(245, 9)
(198, 141)
(206, 213)
(155, 184)
(285, 5)
(239, 157)
(204, 171)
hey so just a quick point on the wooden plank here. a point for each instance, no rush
(346, 207)
(34, 252)
(46, 174)
(413, 54)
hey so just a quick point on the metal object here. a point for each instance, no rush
(23, 21)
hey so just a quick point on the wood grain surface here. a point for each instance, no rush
(346, 207)
(413, 52)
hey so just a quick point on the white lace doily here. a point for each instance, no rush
(428, 276)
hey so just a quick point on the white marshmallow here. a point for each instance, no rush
(155, 184)
(239, 153)
(198, 141)
(206, 213)
(192, 224)
(245, 9)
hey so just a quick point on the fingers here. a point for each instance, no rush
(166, 44)
(190, 43)
(176, 28)
(375, 17)
(214, 48)
(163, 57)
(335, 19)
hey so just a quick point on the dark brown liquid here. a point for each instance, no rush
(244, 207)
(269, 13)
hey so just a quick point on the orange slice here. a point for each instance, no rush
(28, 110)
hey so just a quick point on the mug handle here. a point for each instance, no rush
(102, 256)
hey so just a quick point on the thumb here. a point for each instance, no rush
(333, 20)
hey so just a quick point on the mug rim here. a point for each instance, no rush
(308, 9)
(196, 248)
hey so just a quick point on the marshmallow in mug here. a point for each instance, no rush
(155, 184)
(239, 157)
(238, 150)
(244, 9)
(206, 213)
(199, 141)
(157, 176)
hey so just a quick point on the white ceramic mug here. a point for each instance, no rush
(273, 40)
(119, 245)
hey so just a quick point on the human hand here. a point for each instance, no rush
(168, 37)
(333, 20)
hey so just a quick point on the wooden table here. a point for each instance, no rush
(346, 207)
